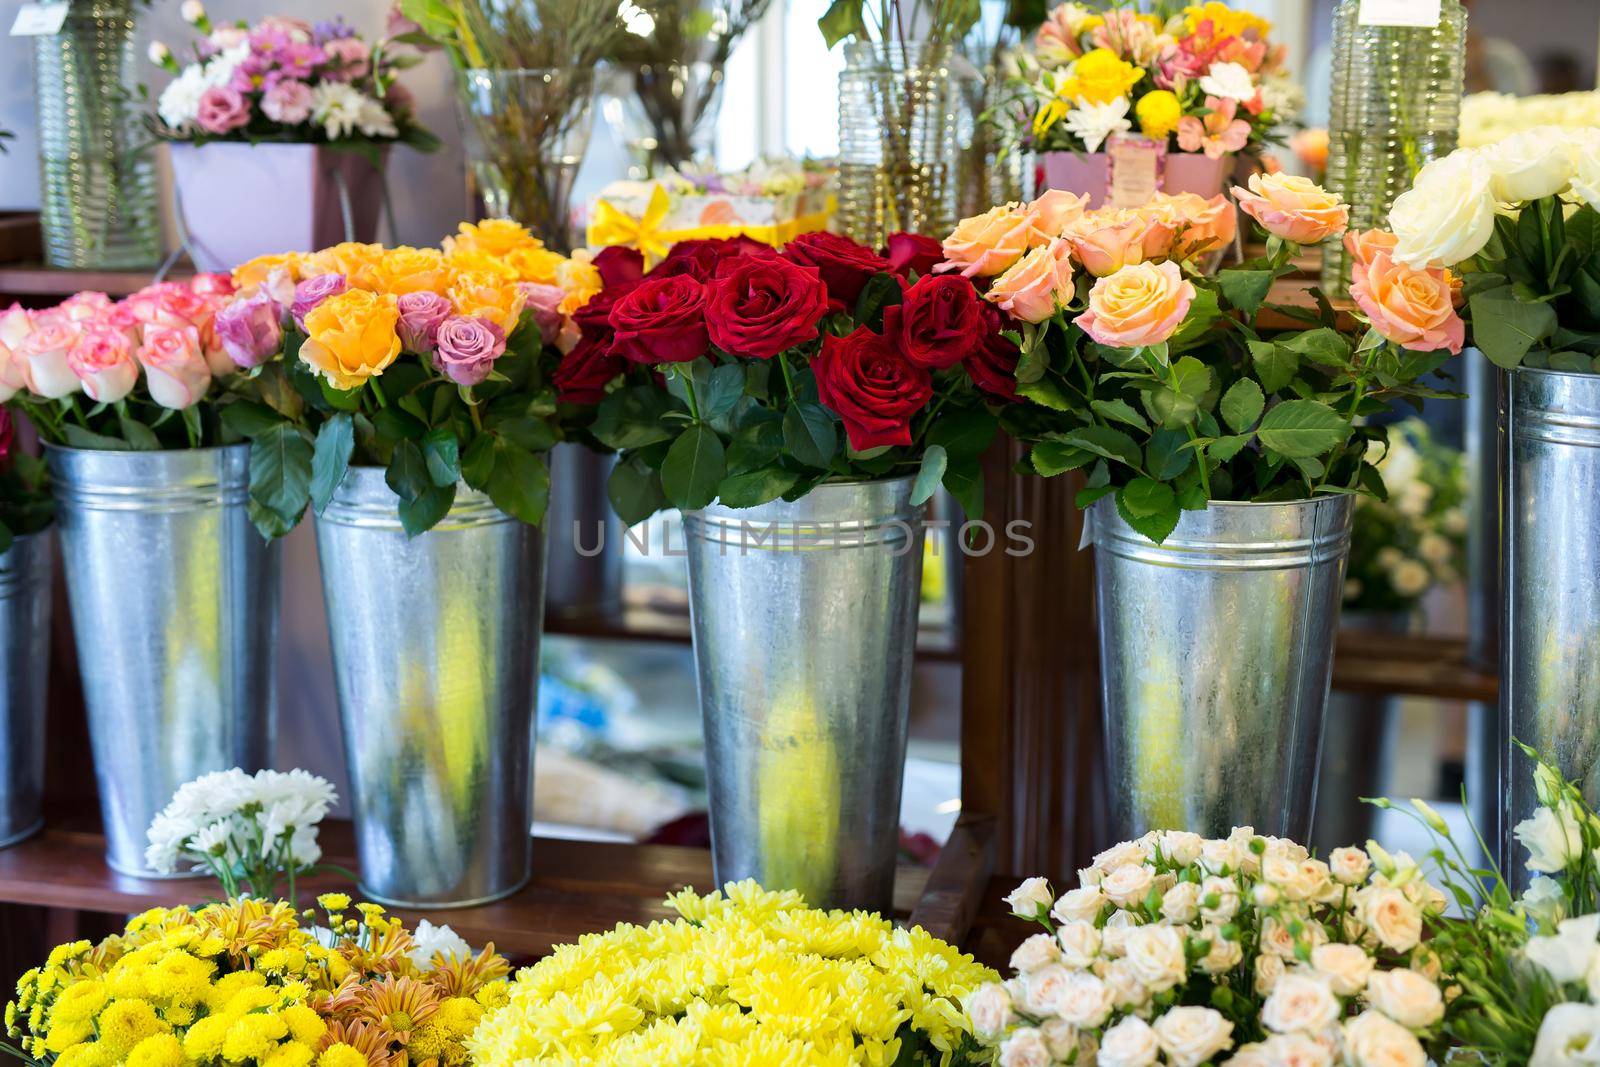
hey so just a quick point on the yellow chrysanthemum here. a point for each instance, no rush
(1158, 112)
(1099, 77)
(334, 902)
(341, 1055)
(125, 1023)
(305, 1025)
(254, 1036)
(157, 1050)
(80, 1002)
(293, 1054)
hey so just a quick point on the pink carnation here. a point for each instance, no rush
(288, 102)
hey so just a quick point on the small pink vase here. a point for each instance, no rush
(1090, 175)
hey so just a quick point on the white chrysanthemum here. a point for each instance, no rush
(374, 120)
(179, 102)
(1093, 123)
(430, 942)
(219, 69)
(337, 107)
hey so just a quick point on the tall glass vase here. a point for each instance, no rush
(97, 182)
(898, 145)
(665, 114)
(988, 177)
(527, 132)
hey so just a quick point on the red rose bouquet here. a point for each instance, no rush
(737, 372)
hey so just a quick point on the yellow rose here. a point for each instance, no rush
(409, 270)
(1225, 21)
(580, 279)
(1099, 77)
(488, 297)
(1158, 113)
(536, 264)
(497, 237)
(253, 273)
(473, 261)
(352, 337)
(349, 258)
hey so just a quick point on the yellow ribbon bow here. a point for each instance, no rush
(613, 226)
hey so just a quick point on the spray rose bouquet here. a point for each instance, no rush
(1152, 376)
(433, 363)
(1245, 950)
(737, 372)
(1203, 79)
(284, 79)
(1520, 219)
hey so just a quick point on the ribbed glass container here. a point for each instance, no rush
(1396, 104)
(898, 143)
(98, 207)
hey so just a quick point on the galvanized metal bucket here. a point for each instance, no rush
(1216, 650)
(436, 658)
(174, 598)
(25, 570)
(1550, 580)
(805, 624)
(585, 536)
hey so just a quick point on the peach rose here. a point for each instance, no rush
(1294, 208)
(985, 245)
(1037, 284)
(1365, 245)
(1056, 209)
(1413, 308)
(175, 369)
(1140, 305)
(1203, 225)
(1136, 239)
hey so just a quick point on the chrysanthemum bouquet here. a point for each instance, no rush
(749, 374)
(93, 372)
(1520, 220)
(1415, 538)
(1201, 79)
(746, 977)
(250, 831)
(245, 982)
(1154, 377)
(285, 79)
(1179, 950)
(432, 363)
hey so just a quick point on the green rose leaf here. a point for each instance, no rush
(963, 478)
(1326, 346)
(635, 491)
(247, 418)
(1246, 289)
(756, 445)
(964, 433)
(1107, 442)
(693, 468)
(1150, 507)
(1050, 458)
(1275, 365)
(443, 454)
(1505, 328)
(1225, 448)
(423, 514)
(336, 442)
(280, 472)
(934, 463)
(520, 483)
(408, 471)
(809, 434)
(1300, 429)
(1046, 393)
(755, 487)
(1120, 411)
(1242, 404)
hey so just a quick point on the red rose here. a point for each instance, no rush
(661, 320)
(758, 307)
(619, 266)
(871, 387)
(992, 365)
(700, 259)
(938, 322)
(844, 265)
(8, 434)
(913, 252)
(583, 374)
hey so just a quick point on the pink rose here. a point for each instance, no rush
(102, 359)
(349, 58)
(421, 315)
(81, 307)
(45, 352)
(250, 330)
(1139, 306)
(13, 373)
(15, 324)
(1293, 208)
(175, 369)
(987, 244)
(1056, 209)
(222, 110)
(1039, 283)
(1107, 249)
(466, 348)
(313, 291)
(169, 304)
(1413, 308)
(212, 285)
(545, 303)
(288, 102)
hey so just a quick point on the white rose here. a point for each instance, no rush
(1128, 992)
(1251, 1055)
(1279, 870)
(1586, 172)
(1436, 550)
(1035, 952)
(1025, 1048)
(1060, 1037)
(1372, 1039)
(1349, 866)
(1180, 847)
(1041, 988)
(1296, 1050)
(1276, 939)
(192, 11)
(1031, 899)
(1079, 905)
(1569, 1036)
(1218, 857)
(1406, 997)
(1191, 1036)
(1409, 578)
(1529, 165)
(989, 1009)
(1567, 954)
(1269, 971)
(1242, 838)
(1090, 875)
(1448, 213)
(1219, 899)
(1345, 967)
(1393, 919)
(1552, 838)
(1231, 81)
(1156, 953)
(1180, 905)
(1300, 1003)
(1127, 886)
(1077, 944)
(1130, 1043)
(1129, 852)
(1083, 1000)
(1223, 955)
(1115, 932)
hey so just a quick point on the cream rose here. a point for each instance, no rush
(1180, 905)
(1448, 213)
(1349, 866)
(1218, 857)
(1042, 988)
(1035, 952)
(1394, 920)
(1300, 1003)
(1077, 944)
(1372, 1039)
(1586, 171)
(1296, 1050)
(1552, 838)
(1025, 1048)
(987, 244)
(989, 1009)
(1130, 1043)
(1279, 870)
(1127, 886)
(1031, 899)
(1138, 306)
(1114, 935)
(1293, 207)
(1104, 250)
(1083, 904)
(1157, 956)
(1180, 848)
(1060, 1037)
(1083, 1000)
(1269, 971)
(1344, 967)
(1121, 855)
(1223, 955)
(1037, 285)
(1406, 997)
(1191, 1036)
(1128, 992)
(1529, 165)
(1219, 899)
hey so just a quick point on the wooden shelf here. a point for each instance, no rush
(1411, 665)
(35, 279)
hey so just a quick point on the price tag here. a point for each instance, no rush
(40, 20)
(1135, 170)
(1423, 13)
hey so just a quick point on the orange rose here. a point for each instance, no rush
(1135, 239)
(985, 245)
(1294, 208)
(1413, 308)
(490, 297)
(472, 261)
(351, 337)
(1365, 246)
(1202, 225)
(495, 237)
(350, 258)
(1138, 306)
(407, 270)
(580, 279)
(1037, 284)
(252, 274)
(535, 264)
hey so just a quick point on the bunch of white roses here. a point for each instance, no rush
(1490, 117)
(1181, 950)
(249, 831)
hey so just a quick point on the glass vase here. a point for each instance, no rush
(898, 141)
(665, 114)
(98, 208)
(1395, 105)
(527, 132)
(989, 175)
